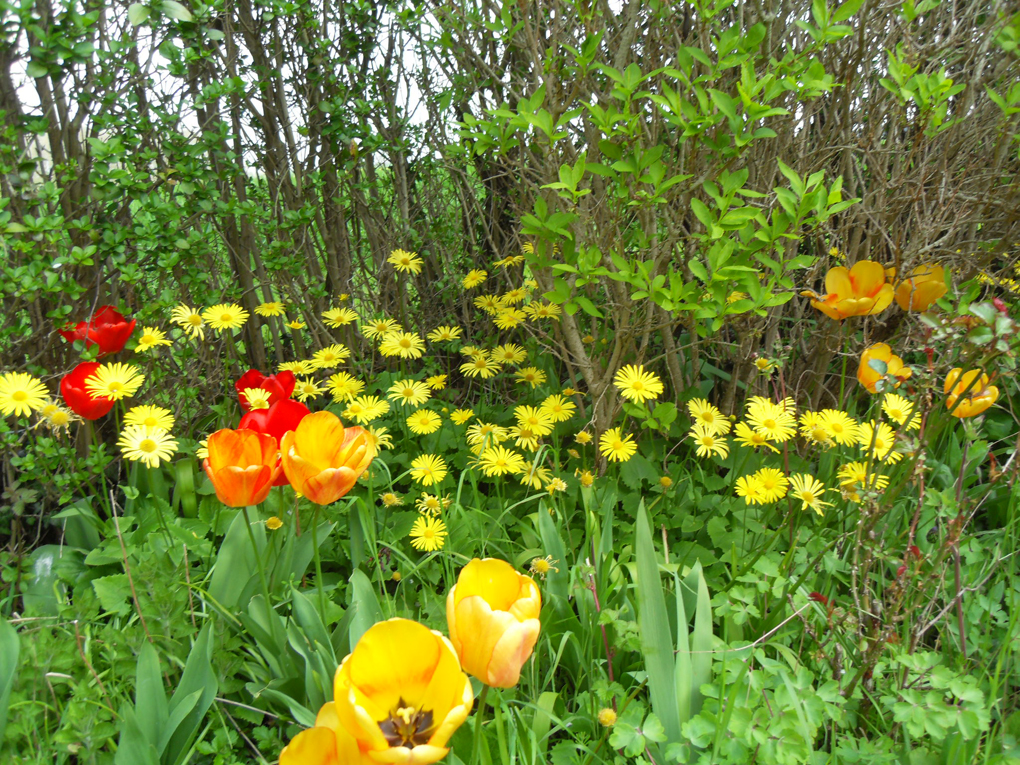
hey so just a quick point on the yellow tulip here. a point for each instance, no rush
(400, 695)
(980, 394)
(492, 614)
(895, 368)
(328, 743)
(924, 286)
(858, 291)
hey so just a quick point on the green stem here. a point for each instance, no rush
(318, 565)
(262, 572)
(478, 725)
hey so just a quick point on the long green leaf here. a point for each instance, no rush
(198, 676)
(236, 564)
(701, 643)
(555, 581)
(10, 646)
(653, 627)
(682, 670)
(150, 698)
(365, 603)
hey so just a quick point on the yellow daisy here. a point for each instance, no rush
(750, 489)
(444, 334)
(270, 309)
(409, 392)
(898, 409)
(378, 328)
(339, 317)
(474, 277)
(480, 366)
(114, 381)
(305, 389)
(708, 415)
(558, 407)
(617, 447)
(510, 353)
(436, 382)
(344, 386)
(150, 338)
(149, 445)
(809, 491)
(225, 316)
(709, 442)
(428, 469)
(532, 376)
(406, 345)
(331, 356)
(774, 484)
(635, 384)
(21, 394)
(296, 325)
(150, 417)
(842, 426)
(539, 421)
(423, 422)
(508, 318)
(407, 262)
(746, 436)
(498, 460)
(189, 319)
(461, 416)
(378, 438)
(542, 310)
(428, 534)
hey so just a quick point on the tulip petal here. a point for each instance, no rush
(511, 651)
(393, 660)
(867, 278)
(838, 282)
(495, 580)
(479, 628)
(314, 746)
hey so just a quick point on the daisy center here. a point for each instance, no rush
(19, 395)
(147, 445)
(226, 317)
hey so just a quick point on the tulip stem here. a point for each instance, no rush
(318, 566)
(262, 573)
(478, 725)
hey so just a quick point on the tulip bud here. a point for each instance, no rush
(492, 614)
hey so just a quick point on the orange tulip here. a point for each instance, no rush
(492, 615)
(924, 286)
(859, 291)
(242, 465)
(895, 368)
(323, 459)
(977, 392)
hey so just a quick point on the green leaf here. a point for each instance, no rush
(150, 698)
(366, 604)
(9, 650)
(846, 10)
(195, 693)
(175, 10)
(653, 627)
(113, 592)
(137, 14)
(36, 70)
(701, 641)
(557, 582)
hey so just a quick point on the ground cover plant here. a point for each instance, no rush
(584, 385)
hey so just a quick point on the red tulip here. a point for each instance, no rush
(279, 386)
(108, 328)
(275, 421)
(83, 403)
